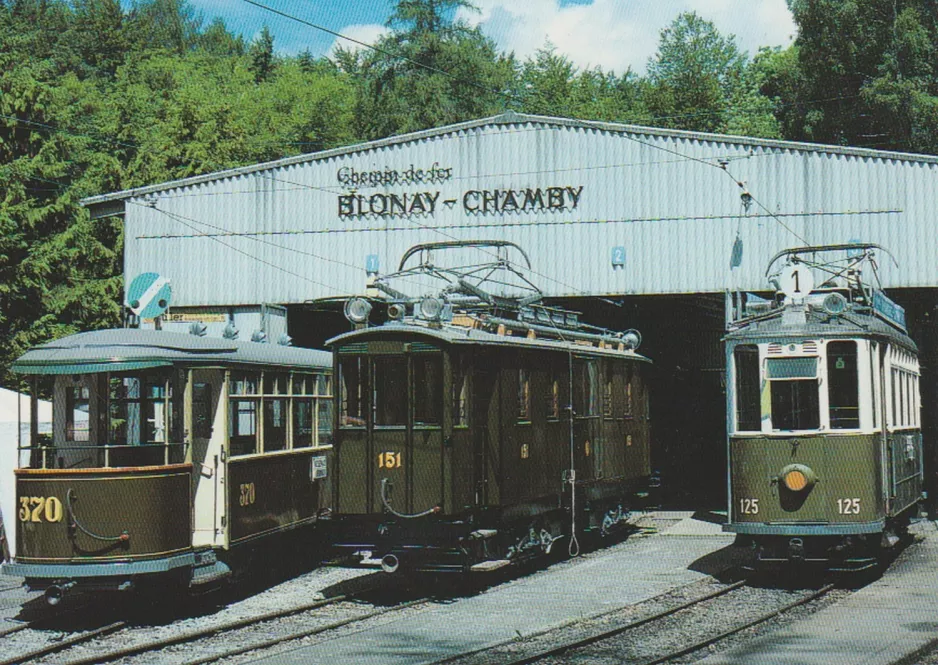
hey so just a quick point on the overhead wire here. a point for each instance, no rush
(181, 220)
(224, 232)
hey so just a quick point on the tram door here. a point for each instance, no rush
(587, 421)
(407, 429)
(391, 429)
(205, 425)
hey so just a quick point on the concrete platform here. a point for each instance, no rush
(624, 574)
(893, 617)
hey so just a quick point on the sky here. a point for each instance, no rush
(613, 34)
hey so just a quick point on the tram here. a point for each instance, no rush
(475, 429)
(173, 460)
(823, 413)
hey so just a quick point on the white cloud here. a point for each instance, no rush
(616, 34)
(368, 33)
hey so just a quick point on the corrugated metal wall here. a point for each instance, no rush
(277, 234)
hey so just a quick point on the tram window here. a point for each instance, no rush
(843, 388)
(324, 422)
(243, 426)
(275, 425)
(748, 402)
(275, 383)
(628, 394)
(390, 391)
(460, 393)
(202, 414)
(607, 399)
(352, 385)
(428, 389)
(303, 423)
(244, 384)
(524, 395)
(585, 385)
(553, 398)
(77, 398)
(795, 405)
(301, 384)
(324, 385)
(894, 389)
(138, 411)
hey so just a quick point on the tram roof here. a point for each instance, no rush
(821, 325)
(450, 334)
(129, 349)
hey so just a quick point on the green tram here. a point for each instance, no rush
(823, 414)
(475, 430)
(173, 458)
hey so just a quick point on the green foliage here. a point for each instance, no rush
(433, 72)
(865, 74)
(700, 80)
(552, 85)
(262, 56)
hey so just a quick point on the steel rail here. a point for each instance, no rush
(204, 632)
(598, 637)
(65, 644)
(305, 633)
(732, 631)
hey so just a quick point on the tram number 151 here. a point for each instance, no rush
(389, 460)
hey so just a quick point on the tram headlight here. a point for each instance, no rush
(357, 310)
(430, 308)
(798, 477)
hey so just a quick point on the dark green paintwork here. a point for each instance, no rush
(284, 493)
(152, 505)
(847, 467)
(482, 465)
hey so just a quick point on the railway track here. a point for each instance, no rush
(628, 640)
(93, 649)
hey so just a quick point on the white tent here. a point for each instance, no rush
(9, 437)
(8, 407)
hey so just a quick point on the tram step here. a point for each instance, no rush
(208, 574)
(483, 534)
(489, 566)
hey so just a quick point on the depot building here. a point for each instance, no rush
(635, 227)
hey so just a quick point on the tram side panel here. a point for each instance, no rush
(102, 514)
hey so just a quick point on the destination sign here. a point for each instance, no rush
(889, 310)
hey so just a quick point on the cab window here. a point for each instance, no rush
(843, 388)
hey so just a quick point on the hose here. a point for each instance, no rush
(73, 522)
(384, 501)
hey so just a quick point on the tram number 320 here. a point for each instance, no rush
(40, 509)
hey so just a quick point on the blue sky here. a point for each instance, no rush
(614, 34)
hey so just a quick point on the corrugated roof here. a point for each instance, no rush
(510, 118)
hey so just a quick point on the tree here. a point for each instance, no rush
(552, 85)
(699, 80)
(262, 56)
(865, 73)
(428, 72)
(170, 25)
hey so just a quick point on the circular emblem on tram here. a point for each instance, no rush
(795, 281)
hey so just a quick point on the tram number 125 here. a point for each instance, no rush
(848, 506)
(749, 506)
